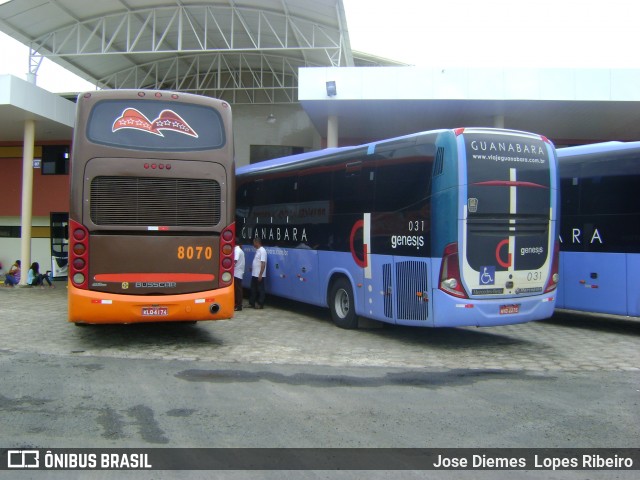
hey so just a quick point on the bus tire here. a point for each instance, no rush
(342, 305)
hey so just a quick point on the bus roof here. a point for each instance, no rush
(310, 157)
(595, 148)
(299, 158)
(599, 159)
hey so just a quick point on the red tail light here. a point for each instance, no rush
(79, 255)
(227, 242)
(554, 276)
(450, 280)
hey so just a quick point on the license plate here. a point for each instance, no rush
(155, 311)
(509, 309)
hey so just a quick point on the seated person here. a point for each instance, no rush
(35, 278)
(12, 277)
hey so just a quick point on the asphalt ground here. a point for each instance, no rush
(571, 381)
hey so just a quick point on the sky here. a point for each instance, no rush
(498, 33)
(453, 33)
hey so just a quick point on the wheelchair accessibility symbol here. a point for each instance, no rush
(488, 276)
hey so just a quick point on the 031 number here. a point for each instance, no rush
(416, 225)
(534, 276)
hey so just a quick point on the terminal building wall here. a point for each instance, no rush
(292, 128)
(50, 194)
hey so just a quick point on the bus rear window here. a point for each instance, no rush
(155, 125)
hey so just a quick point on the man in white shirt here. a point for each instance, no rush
(238, 272)
(258, 271)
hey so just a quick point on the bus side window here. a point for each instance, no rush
(611, 195)
(403, 182)
(403, 186)
(267, 199)
(314, 187)
(570, 195)
(280, 190)
(314, 190)
(244, 199)
(353, 188)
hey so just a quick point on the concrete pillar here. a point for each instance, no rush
(332, 131)
(27, 197)
(498, 121)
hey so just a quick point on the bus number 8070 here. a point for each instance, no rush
(197, 252)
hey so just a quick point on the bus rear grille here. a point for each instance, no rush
(386, 282)
(412, 292)
(143, 201)
(508, 225)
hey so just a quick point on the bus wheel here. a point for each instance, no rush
(342, 305)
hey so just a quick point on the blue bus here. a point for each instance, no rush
(600, 228)
(442, 228)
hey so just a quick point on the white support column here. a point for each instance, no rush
(498, 121)
(332, 131)
(27, 197)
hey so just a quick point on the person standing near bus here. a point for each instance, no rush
(238, 272)
(258, 270)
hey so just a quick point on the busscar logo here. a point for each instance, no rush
(168, 120)
(23, 459)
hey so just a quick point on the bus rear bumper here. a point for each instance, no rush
(91, 307)
(457, 312)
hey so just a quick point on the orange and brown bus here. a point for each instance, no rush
(151, 208)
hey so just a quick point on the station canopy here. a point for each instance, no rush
(245, 51)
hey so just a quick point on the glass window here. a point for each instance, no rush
(353, 187)
(610, 195)
(403, 184)
(313, 187)
(155, 125)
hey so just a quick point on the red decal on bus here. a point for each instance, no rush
(502, 263)
(168, 120)
(362, 262)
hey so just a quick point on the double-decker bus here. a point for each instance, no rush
(151, 222)
(441, 228)
(600, 228)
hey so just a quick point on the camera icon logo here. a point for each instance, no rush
(23, 459)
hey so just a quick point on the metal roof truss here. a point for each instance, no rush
(234, 77)
(195, 47)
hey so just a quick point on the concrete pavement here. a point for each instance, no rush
(285, 332)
